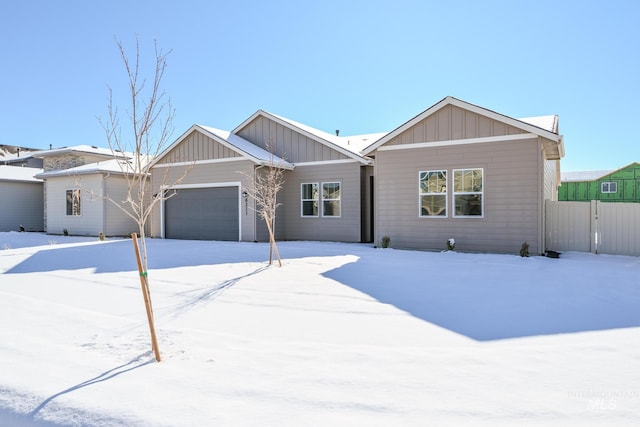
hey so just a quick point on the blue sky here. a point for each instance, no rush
(358, 66)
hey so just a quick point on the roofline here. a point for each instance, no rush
(291, 126)
(607, 173)
(65, 150)
(450, 100)
(69, 173)
(220, 140)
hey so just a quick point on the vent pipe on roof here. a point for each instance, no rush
(337, 132)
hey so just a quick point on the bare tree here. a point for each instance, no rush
(263, 188)
(151, 118)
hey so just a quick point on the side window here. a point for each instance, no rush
(309, 196)
(468, 193)
(331, 199)
(609, 187)
(73, 202)
(432, 191)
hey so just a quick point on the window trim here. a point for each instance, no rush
(76, 195)
(316, 200)
(608, 185)
(445, 194)
(339, 199)
(455, 193)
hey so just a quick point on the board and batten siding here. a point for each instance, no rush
(453, 123)
(512, 197)
(22, 204)
(292, 146)
(346, 228)
(203, 175)
(198, 146)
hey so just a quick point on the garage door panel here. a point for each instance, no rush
(203, 214)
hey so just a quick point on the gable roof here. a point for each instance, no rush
(234, 142)
(544, 126)
(594, 175)
(111, 166)
(350, 146)
(86, 149)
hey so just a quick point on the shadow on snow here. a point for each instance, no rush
(493, 297)
(118, 256)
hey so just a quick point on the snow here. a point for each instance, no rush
(579, 176)
(342, 334)
(548, 123)
(19, 174)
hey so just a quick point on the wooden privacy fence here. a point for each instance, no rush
(597, 227)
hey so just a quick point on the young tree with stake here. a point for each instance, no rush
(151, 118)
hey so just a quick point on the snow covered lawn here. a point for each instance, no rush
(342, 334)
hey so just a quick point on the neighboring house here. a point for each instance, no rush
(22, 199)
(78, 181)
(455, 170)
(19, 156)
(617, 185)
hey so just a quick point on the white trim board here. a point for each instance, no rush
(503, 138)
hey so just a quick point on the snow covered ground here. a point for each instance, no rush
(342, 334)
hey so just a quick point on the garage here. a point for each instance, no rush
(210, 213)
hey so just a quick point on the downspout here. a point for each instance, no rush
(541, 200)
(104, 204)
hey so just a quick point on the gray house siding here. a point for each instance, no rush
(512, 197)
(346, 228)
(453, 123)
(197, 146)
(116, 222)
(286, 143)
(22, 204)
(232, 172)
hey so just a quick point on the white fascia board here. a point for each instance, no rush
(202, 185)
(449, 100)
(301, 131)
(502, 138)
(327, 162)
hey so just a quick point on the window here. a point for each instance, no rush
(609, 187)
(468, 192)
(432, 187)
(309, 199)
(73, 202)
(331, 199)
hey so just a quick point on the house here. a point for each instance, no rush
(461, 171)
(22, 199)
(617, 185)
(77, 182)
(19, 156)
(455, 170)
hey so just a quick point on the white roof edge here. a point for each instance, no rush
(450, 100)
(300, 128)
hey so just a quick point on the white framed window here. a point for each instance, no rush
(609, 187)
(432, 193)
(309, 199)
(468, 193)
(73, 202)
(331, 199)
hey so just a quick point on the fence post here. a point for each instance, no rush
(595, 233)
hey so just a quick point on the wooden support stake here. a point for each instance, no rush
(144, 284)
